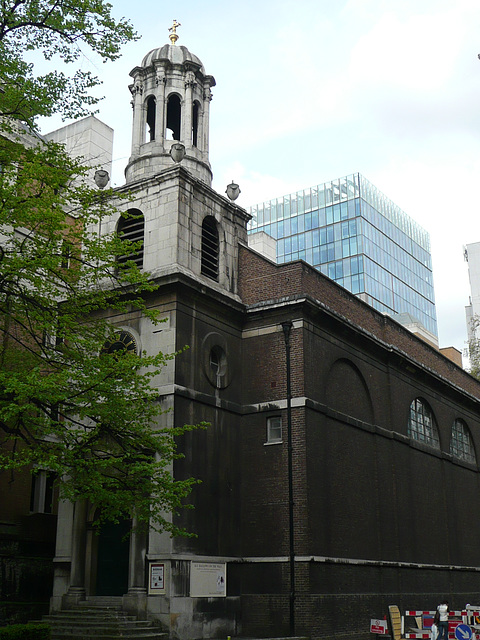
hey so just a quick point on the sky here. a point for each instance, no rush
(312, 90)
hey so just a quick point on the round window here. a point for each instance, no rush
(215, 361)
(122, 341)
(218, 361)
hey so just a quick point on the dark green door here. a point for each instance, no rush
(112, 563)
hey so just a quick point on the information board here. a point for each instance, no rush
(156, 582)
(208, 580)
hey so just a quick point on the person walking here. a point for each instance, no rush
(442, 624)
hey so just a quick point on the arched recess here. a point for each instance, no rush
(422, 425)
(347, 391)
(174, 117)
(151, 108)
(210, 248)
(131, 227)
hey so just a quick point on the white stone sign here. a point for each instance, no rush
(208, 580)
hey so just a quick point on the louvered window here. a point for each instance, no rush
(131, 228)
(210, 248)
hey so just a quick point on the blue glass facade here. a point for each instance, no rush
(355, 235)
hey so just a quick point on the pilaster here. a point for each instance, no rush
(76, 590)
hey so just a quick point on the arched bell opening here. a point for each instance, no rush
(195, 117)
(151, 107)
(174, 119)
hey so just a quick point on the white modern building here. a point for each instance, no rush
(472, 310)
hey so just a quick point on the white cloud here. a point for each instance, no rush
(407, 53)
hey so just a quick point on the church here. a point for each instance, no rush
(339, 472)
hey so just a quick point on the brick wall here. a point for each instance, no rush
(261, 280)
(379, 518)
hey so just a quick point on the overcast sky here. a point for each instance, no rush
(311, 90)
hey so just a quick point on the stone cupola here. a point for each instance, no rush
(171, 102)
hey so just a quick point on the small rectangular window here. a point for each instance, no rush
(66, 254)
(274, 429)
(42, 492)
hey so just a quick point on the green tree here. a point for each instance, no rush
(474, 347)
(67, 404)
(58, 30)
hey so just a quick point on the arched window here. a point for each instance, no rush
(210, 248)
(174, 111)
(151, 113)
(195, 112)
(461, 445)
(131, 227)
(421, 423)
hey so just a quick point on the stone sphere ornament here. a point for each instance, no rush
(233, 191)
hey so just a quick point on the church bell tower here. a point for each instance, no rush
(171, 96)
(185, 226)
(187, 239)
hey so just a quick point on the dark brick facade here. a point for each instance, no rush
(379, 518)
(27, 544)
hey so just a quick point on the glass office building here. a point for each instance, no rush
(357, 236)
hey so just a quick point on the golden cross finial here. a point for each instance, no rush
(173, 36)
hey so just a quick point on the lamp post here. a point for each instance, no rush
(287, 327)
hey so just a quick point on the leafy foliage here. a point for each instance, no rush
(474, 348)
(58, 29)
(66, 404)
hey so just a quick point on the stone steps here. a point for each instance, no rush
(101, 602)
(99, 621)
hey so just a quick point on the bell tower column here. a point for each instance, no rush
(160, 108)
(137, 133)
(206, 120)
(188, 110)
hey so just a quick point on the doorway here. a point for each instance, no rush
(113, 559)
